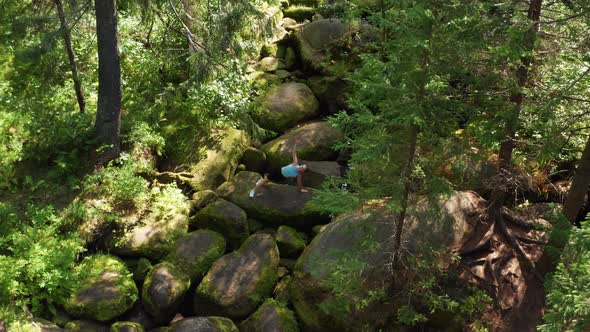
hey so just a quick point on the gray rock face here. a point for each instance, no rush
(275, 204)
(163, 291)
(226, 218)
(364, 235)
(314, 40)
(195, 253)
(331, 93)
(202, 198)
(285, 105)
(204, 324)
(319, 171)
(238, 282)
(317, 144)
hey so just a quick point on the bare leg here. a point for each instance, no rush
(259, 184)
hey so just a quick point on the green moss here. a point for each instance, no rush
(223, 324)
(226, 218)
(271, 315)
(142, 268)
(202, 198)
(85, 326)
(269, 50)
(96, 274)
(300, 13)
(127, 327)
(289, 241)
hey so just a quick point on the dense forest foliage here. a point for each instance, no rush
(446, 142)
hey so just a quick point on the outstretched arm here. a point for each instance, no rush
(295, 161)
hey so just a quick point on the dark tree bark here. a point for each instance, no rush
(108, 115)
(576, 197)
(73, 65)
(499, 193)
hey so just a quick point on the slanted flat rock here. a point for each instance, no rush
(238, 282)
(318, 171)
(275, 204)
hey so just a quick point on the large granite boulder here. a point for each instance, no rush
(285, 105)
(275, 204)
(163, 291)
(272, 316)
(317, 143)
(331, 93)
(226, 218)
(154, 235)
(317, 39)
(269, 64)
(239, 282)
(105, 289)
(290, 242)
(219, 156)
(204, 324)
(195, 253)
(363, 238)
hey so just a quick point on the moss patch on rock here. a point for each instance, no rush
(105, 289)
(127, 327)
(208, 324)
(290, 242)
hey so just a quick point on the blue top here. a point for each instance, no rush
(290, 171)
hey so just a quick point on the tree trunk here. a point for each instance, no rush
(576, 197)
(405, 177)
(108, 115)
(68, 43)
(499, 193)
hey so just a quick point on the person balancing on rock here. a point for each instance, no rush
(293, 170)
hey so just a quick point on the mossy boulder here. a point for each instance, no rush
(239, 282)
(105, 289)
(269, 64)
(300, 13)
(141, 269)
(270, 317)
(317, 144)
(319, 38)
(275, 204)
(269, 50)
(285, 105)
(163, 291)
(331, 92)
(138, 315)
(262, 81)
(226, 218)
(195, 253)
(219, 155)
(202, 198)
(38, 324)
(281, 292)
(154, 235)
(204, 324)
(126, 327)
(318, 171)
(85, 326)
(290, 242)
(283, 74)
(432, 232)
(290, 58)
(254, 159)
